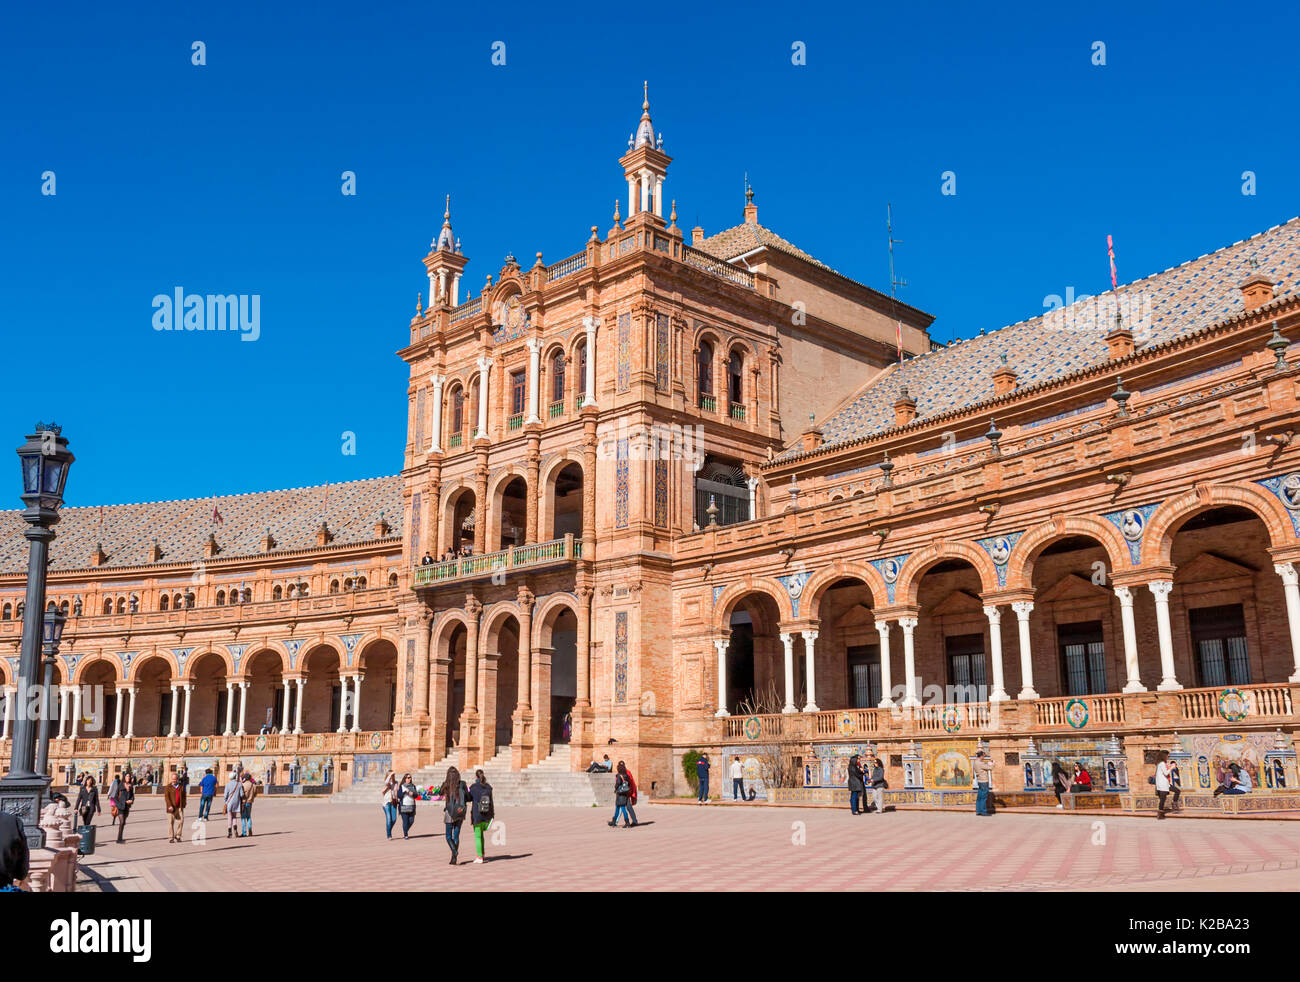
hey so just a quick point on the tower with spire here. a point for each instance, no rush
(645, 166)
(445, 264)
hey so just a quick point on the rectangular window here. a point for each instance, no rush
(518, 392)
(864, 676)
(966, 667)
(1083, 658)
(1219, 640)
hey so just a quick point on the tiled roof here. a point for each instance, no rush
(1158, 308)
(182, 527)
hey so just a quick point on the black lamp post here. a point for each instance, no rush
(45, 461)
(51, 635)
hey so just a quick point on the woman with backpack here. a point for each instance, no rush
(123, 800)
(483, 812)
(406, 794)
(248, 791)
(390, 802)
(622, 795)
(631, 797)
(454, 795)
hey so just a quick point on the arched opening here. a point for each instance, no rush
(514, 513)
(952, 634)
(153, 701)
(1075, 628)
(581, 383)
(456, 416)
(848, 648)
(556, 371)
(503, 639)
(704, 376)
(559, 633)
(462, 515)
(263, 672)
(756, 659)
(1227, 610)
(164, 602)
(99, 699)
(455, 651)
(736, 381)
(567, 496)
(321, 690)
(379, 687)
(208, 705)
(721, 484)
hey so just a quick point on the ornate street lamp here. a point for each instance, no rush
(51, 635)
(44, 461)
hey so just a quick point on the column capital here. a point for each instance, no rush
(883, 628)
(484, 363)
(1022, 608)
(590, 324)
(993, 613)
(809, 636)
(1161, 589)
(535, 345)
(787, 638)
(908, 624)
(437, 380)
(1288, 572)
(1125, 595)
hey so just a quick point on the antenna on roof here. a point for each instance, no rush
(894, 282)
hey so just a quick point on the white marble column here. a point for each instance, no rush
(343, 704)
(455, 289)
(645, 191)
(117, 713)
(130, 716)
(433, 291)
(11, 697)
(297, 706)
(721, 645)
(886, 680)
(1027, 690)
(435, 440)
(787, 642)
(230, 709)
(1160, 589)
(484, 372)
(171, 731)
(189, 698)
(76, 710)
(356, 703)
(752, 483)
(994, 614)
(1291, 587)
(1129, 626)
(63, 711)
(589, 383)
(243, 707)
(284, 710)
(659, 193)
(631, 195)
(810, 670)
(908, 624)
(534, 379)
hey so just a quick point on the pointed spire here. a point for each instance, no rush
(446, 238)
(645, 131)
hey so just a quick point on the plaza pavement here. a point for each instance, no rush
(313, 845)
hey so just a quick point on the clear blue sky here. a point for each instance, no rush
(226, 179)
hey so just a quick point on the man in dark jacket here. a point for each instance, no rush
(13, 851)
(174, 802)
(702, 771)
(855, 784)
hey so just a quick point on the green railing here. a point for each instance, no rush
(515, 422)
(737, 412)
(709, 403)
(517, 557)
(456, 440)
(557, 409)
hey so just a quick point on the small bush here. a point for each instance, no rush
(689, 760)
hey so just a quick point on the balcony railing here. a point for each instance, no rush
(515, 422)
(1272, 701)
(737, 411)
(468, 309)
(566, 266)
(557, 409)
(455, 440)
(714, 265)
(709, 403)
(1101, 709)
(538, 554)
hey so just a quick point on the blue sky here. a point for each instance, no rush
(226, 179)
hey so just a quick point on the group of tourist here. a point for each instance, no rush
(1235, 780)
(1078, 781)
(860, 779)
(458, 800)
(447, 556)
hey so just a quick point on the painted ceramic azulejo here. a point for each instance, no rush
(236, 654)
(350, 645)
(889, 570)
(794, 584)
(293, 646)
(999, 549)
(1286, 487)
(1132, 523)
(182, 656)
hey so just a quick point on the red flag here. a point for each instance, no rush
(1110, 248)
(216, 516)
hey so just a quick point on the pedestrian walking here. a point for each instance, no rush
(14, 856)
(123, 800)
(856, 788)
(454, 795)
(390, 802)
(406, 793)
(484, 810)
(878, 785)
(88, 801)
(207, 791)
(983, 781)
(1164, 782)
(631, 797)
(230, 800)
(702, 772)
(174, 804)
(737, 780)
(247, 792)
(622, 793)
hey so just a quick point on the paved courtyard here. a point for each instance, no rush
(313, 845)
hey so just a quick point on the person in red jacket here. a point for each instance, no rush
(631, 798)
(1082, 780)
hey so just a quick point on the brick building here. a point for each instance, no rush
(677, 491)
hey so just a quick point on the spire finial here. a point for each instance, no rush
(446, 214)
(645, 88)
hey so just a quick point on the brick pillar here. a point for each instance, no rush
(589, 484)
(439, 694)
(522, 733)
(581, 739)
(480, 502)
(542, 703)
(423, 618)
(487, 712)
(471, 717)
(533, 493)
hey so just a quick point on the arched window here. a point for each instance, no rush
(582, 372)
(334, 586)
(361, 583)
(277, 593)
(64, 608)
(189, 601)
(392, 579)
(704, 372)
(347, 584)
(121, 605)
(221, 598)
(557, 382)
(457, 426)
(304, 590)
(108, 605)
(164, 602)
(8, 613)
(736, 379)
